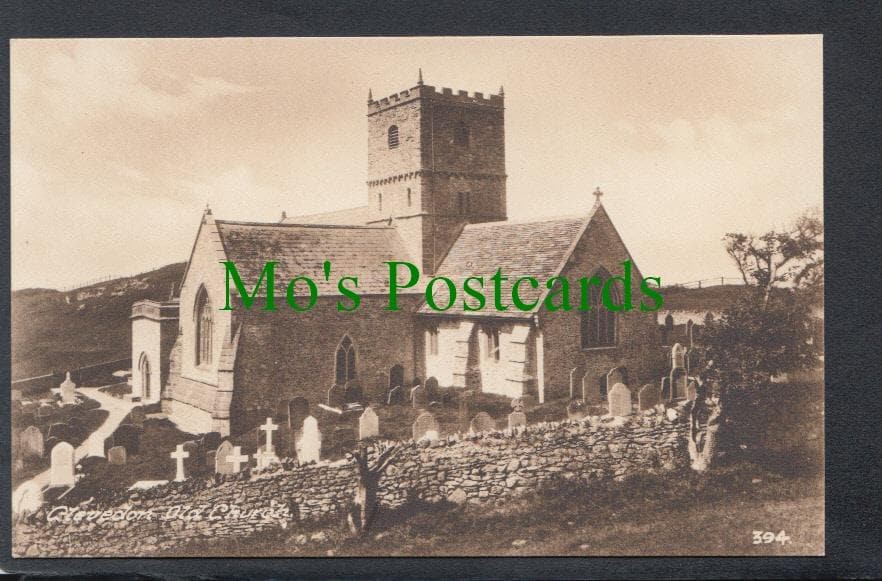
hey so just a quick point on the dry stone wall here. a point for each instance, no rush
(471, 468)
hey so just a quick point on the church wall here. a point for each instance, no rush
(637, 331)
(284, 354)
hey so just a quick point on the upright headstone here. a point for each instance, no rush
(309, 447)
(29, 498)
(666, 389)
(236, 459)
(32, 442)
(575, 382)
(616, 375)
(68, 390)
(590, 389)
(129, 437)
(395, 396)
(678, 356)
(61, 469)
(368, 425)
(620, 400)
(432, 392)
(516, 419)
(482, 423)
(576, 410)
(298, 410)
(117, 455)
(221, 464)
(691, 390)
(353, 392)
(648, 397)
(419, 397)
(425, 426)
(678, 383)
(179, 455)
(335, 396)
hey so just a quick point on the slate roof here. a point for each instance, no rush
(538, 249)
(301, 249)
(350, 216)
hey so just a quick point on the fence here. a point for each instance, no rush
(97, 373)
(706, 282)
(108, 278)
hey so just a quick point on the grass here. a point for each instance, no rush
(119, 390)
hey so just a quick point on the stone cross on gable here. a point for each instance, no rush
(237, 458)
(179, 455)
(269, 427)
(597, 194)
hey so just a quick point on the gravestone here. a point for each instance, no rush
(516, 419)
(425, 426)
(32, 444)
(616, 375)
(16, 395)
(221, 464)
(29, 498)
(432, 391)
(666, 389)
(353, 392)
(298, 410)
(68, 390)
(575, 382)
(691, 390)
(368, 425)
(577, 410)
(395, 396)
(210, 441)
(211, 459)
(193, 461)
(648, 397)
(335, 396)
(137, 416)
(129, 437)
(482, 423)
(236, 459)
(309, 447)
(60, 431)
(678, 356)
(590, 389)
(620, 400)
(419, 397)
(678, 383)
(61, 469)
(179, 455)
(29, 407)
(117, 455)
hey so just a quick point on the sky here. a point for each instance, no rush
(118, 144)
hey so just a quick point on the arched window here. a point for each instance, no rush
(461, 134)
(204, 326)
(409, 198)
(432, 340)
(144, 371)
(380, 201)
(599, 323)
(393, 137)
(345, 361)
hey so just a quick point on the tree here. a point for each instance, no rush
(793, 255)
(365, 505)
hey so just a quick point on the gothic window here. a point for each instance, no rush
(409, 198)
(345, 361)
(380, 201)
(492, 335)
(598, 324)
(432, 341)
(462, 203)
(204, 326)
(144, 368)
(393, 137)
(461, 134)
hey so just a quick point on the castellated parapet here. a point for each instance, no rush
(430, 92)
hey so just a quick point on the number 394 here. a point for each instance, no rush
(768, 537)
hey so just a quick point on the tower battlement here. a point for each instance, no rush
(430, 92)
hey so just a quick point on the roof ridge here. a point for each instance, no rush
(561, 218)
(288, 224)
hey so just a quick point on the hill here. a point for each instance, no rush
(53, 330)
(711, 298)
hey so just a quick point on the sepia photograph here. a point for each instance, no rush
(436, 296)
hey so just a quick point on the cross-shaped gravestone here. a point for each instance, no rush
(269, 427)
(237, 458)
(179, 454)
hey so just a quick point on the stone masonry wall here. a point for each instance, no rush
(474, 469)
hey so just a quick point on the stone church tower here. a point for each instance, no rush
(436, 162)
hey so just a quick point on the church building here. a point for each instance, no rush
(436, 197)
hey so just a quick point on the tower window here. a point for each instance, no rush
(598, 325)
(380, 201)
(461, 134)
(393, 137)
(462, 203)
(409, 198)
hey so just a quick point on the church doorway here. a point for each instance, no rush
(144, 370)
(396, 376)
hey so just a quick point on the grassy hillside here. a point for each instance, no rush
(54, 330)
